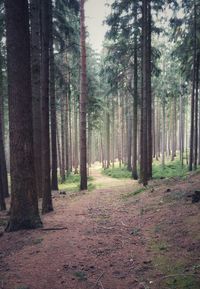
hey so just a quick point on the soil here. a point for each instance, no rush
(118, 236)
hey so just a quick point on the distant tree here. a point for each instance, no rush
(83, 100)
(54, 177)
(24, 206)
(47, 205)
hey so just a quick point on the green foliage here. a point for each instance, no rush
(135, 193)
(171, 169)
(117, 173)
(80, 275)
(72, 183)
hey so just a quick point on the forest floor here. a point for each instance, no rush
(118, 236)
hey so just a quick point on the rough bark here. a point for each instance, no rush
(35, 73)
(24, 205)
(47, 205)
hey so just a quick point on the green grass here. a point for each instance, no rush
(72, 182)
(135, 193)
(117, 173)
(171, 169)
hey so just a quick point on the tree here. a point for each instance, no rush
(35, 70)
(83, 96)
(47, 205)
(24, 206)
(54, 177)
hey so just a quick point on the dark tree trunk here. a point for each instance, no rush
(46, 182)
(149, 96)
(135, 104)
(35, 69)
(83, 99)
(24, 205)
(54, 165)
(144, 101)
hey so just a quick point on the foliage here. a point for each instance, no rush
(171, 169)
(117, 172)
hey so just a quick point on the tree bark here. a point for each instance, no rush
(54, 165)
(35, 69)
(47, 205)
(24, 204)
(83, 100)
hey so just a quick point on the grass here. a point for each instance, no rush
(117, 172)
(135, 193)
(170, 170)
(72, 182)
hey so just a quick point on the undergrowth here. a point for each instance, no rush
(117, 172)
(169, 170)
(72, 182)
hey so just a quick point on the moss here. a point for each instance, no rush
(135, 193)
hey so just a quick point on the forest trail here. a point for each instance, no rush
(110, 238)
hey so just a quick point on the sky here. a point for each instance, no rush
(96, 12)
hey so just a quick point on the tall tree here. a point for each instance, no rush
(54, 177)
(46, 182)
(3, 173)
(144, 100)
(83, 100)
(24, 206)
(35, 69)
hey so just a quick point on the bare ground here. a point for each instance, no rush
(110, 238)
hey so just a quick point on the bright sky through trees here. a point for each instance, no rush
(96, 11)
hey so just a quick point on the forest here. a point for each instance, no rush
(99, 149)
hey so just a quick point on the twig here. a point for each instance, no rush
(124, 224)
(54, 229)
(2, 287)
(101, 285)
(98, 279)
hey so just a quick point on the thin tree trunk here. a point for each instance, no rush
(47, 205)
(3, 172)
(191, 159)
(54, 165)
(36, 61)
(83, 99)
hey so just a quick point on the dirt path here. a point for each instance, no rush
(112, 239)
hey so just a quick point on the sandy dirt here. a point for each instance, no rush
(110, 239)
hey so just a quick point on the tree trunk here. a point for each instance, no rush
(35, 61)
(24, 204)
(83, 100)
(54, 165)
(3, 173)
(144, 100)
(191, 159)
(135, 104)
(47, 205)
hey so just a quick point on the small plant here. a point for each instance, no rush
(23, 287)
(37, 241)
(81, 276)
(135, 193)
(135, 231)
